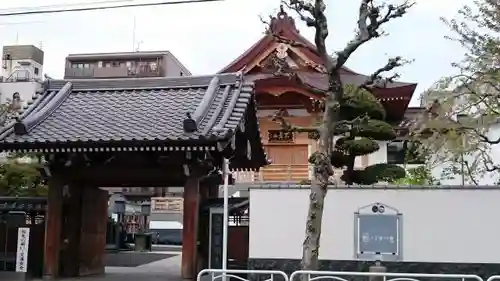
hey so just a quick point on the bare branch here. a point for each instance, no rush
(369, 22)
(287, 127)
(376, 78)
(299, 7)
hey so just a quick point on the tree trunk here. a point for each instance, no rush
(310, 250)
(319, 188)
(322, 172)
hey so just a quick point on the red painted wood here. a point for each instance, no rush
(93, 231)
(237, 244)
(53, 229)
(190, 229)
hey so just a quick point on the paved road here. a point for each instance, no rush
(134, 259)
(163, 248)
(167, 248)
(161, 270)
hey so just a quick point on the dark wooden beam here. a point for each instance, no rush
(110, 176)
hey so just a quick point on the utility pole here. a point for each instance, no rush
(133, 33)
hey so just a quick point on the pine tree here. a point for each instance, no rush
(363, 139)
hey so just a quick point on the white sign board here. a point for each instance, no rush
(23, 242)
(167, 204)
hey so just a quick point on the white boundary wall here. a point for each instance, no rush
(439, 225)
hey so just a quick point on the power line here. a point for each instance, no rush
(24, 13)
(64, 5)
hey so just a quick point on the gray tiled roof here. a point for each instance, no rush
(137, 110)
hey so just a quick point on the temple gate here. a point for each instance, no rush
(132, 133)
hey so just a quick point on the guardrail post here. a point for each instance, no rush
(377, 267)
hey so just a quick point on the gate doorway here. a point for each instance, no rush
(22, 212)
(238, 233)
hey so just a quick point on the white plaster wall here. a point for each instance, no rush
(15, 65)
(439, 225)
(379, 156)
(26, 89)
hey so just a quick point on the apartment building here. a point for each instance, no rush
(21, 73)
(123, 65)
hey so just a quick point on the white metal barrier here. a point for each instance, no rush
(494, 278)
(220, 274)
(341, 276)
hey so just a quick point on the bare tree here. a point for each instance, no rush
(371, 18)
(464, 108)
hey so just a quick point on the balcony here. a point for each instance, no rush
(111, 72)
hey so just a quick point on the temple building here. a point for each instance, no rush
(293, 79)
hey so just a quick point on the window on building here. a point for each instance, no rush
(403, 152)
(153, 66)
(37, 71)
(80, 65)
(181, 74)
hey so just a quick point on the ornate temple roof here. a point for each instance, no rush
(185, 113)
(300, 59)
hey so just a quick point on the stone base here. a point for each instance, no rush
(484, 270)
(13, 276)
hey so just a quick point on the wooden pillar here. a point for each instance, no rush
(70, 231)
(94, 210)
(190, 228)
(53, 221)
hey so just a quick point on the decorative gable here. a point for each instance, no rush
(283, 59)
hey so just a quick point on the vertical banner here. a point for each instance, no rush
(23, 241)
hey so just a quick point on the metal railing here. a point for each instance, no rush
(112, 72)
(270, 275)
(224, 275)
(385, 276)
(494, 278)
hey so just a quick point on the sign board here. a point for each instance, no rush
(216, 240)
(280, 136)
(378, 233)
(23, 241)
(167, 204)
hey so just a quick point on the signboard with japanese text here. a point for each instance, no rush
(167, 204)
(280, 136)
(377, 230)
(23, 241)
(378, 234)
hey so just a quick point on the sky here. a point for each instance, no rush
(205, 37)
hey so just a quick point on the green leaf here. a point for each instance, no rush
(359, 102)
